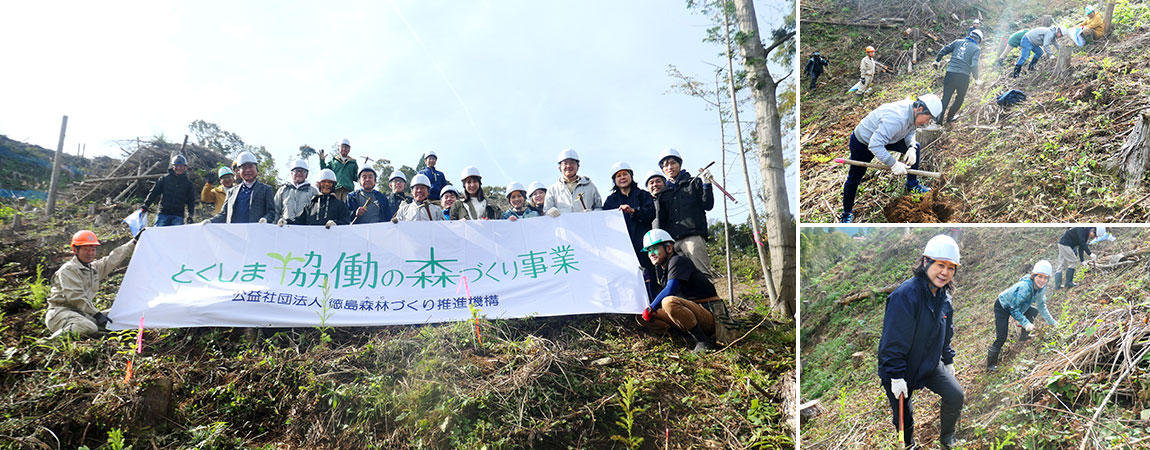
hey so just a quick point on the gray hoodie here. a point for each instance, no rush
(963, 57)
(886, 124)
(1044, 37)
(565, 200)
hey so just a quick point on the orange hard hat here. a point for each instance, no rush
(869, 49)
(83, 238)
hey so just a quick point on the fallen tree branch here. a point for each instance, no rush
(866, 294)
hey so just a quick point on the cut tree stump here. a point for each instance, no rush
(1130, 160)
(927, 135)
(154, 402)
(809, 410)
(1062, 64)
(858, 358)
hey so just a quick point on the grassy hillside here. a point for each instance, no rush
(551, 383)
(1046, 390)
(1040, 161)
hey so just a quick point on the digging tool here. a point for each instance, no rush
(370, 198)
(366, 160)
(581, 201)
(716, 183)
(901, 433)
(921, 173)
(427, 206)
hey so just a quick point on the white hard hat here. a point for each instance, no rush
(419, 179)
(345, 142)
(670, 153)
(933, 104)
(429, 154)
(246, 158)
(449, 188)
(224, 171)
(655, 237)
(653, 174)
(977, 22)
(535, 186)
(977, 33)
(1089, 9)
(942, 248)
(300, 164)
(516, 186)
(327, 175)
(621, 166)
(397, 174)
(470, 171)
(179, 159)
(1043, 267)
(566, 154)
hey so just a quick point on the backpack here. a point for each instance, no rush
(1011, 97)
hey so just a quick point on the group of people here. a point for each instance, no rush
(918, 325)
(666, 223)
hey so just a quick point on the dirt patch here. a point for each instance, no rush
(920, 209)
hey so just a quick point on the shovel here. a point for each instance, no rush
(921, 173)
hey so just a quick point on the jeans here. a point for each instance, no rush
(1028, 47)
(953, 83)
(1002, 324)
(860, 152)
(941, 382)
(164, 220)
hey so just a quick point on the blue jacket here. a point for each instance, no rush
(438, 181)
(1017, 299)
(916, 333)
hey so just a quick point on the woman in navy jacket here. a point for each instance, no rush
(915, 351)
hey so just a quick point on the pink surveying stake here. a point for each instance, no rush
(921, 173)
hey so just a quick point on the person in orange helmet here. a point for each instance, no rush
(74, 286)
(866, 72)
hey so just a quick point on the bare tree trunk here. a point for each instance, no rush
(726, 219)
(780, 222)
(1108, 19)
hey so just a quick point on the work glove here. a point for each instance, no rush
(936, 64)
(263, 220)
(862, 81)
(394, 220)
(978, 83)
(648, 314)
(707, 178)
(898, 168)
(101, 320)
(898, 388)
(281, 222)
(189, 219)
(910, 157)
(136, 238)
(1093, 257)
(329, 224)
(206, 221)
(143, 209)
(1028, 327)
(553, 212)
(950, 368)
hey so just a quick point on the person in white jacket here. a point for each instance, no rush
(572, 193)
(293, 196)
(419, 208)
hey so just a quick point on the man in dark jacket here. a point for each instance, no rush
(1072, 250)
(963, 64)
(368, 205)
(914, 351)
(814, 68)
(438, 179)
(249, 201)
(175, 192)
(398, 185)
(324, 209)
(682, 210)
(638, 212)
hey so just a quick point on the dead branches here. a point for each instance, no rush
(870, 293)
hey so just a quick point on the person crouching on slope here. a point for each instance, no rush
(914, 351)
(1015, 302)
(687, 301)
(889, 128)
(75, 284)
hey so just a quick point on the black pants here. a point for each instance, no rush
(953, 83)
(814, 78)
(860, 152)
(1002, 324)
(941, 382)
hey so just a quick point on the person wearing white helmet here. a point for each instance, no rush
(637, 205)
(1093, 27)
(1034, 41)
(681, 209)
(974, 25)
(447, 198)
(216, 195)
(324, 209)
(398, 196)
(420, 207)
(1073, 248)
(914, 351)
(889, 129)
(517, 198)
(685, 298)
(368, 205)
(1015, 302)
(473, 205)
(175, 193)
(438, 179)
(293, 196)
(251, 200)
(655, 182)
(345, 167)
(537, 193)
(573, 192)
(963, 65)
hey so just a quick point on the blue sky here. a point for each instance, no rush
(502, 85)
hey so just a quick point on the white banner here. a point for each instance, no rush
(253, 275)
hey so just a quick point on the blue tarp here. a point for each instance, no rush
(32, 195)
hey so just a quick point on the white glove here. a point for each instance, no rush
(281, 222)
(329, 224)
(978, 82)
(898, 388)
(936, 64)
(950, 368)
(205, 222)
(707, 177)
(911, 156)
(1093, 256)
(1028, 327)
(263, 220)
(553, 212)
(898, 168)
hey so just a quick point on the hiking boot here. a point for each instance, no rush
(847, 217)
(992, 359)
(947, 442)
(916, 188)
(1024, 336)
(1057, 280)
(1070, 279)
(1017, 70)
(1032, 63)
(702, 341)
(911, 446)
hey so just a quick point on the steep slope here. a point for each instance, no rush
(1040, 161)
(1035, 400)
